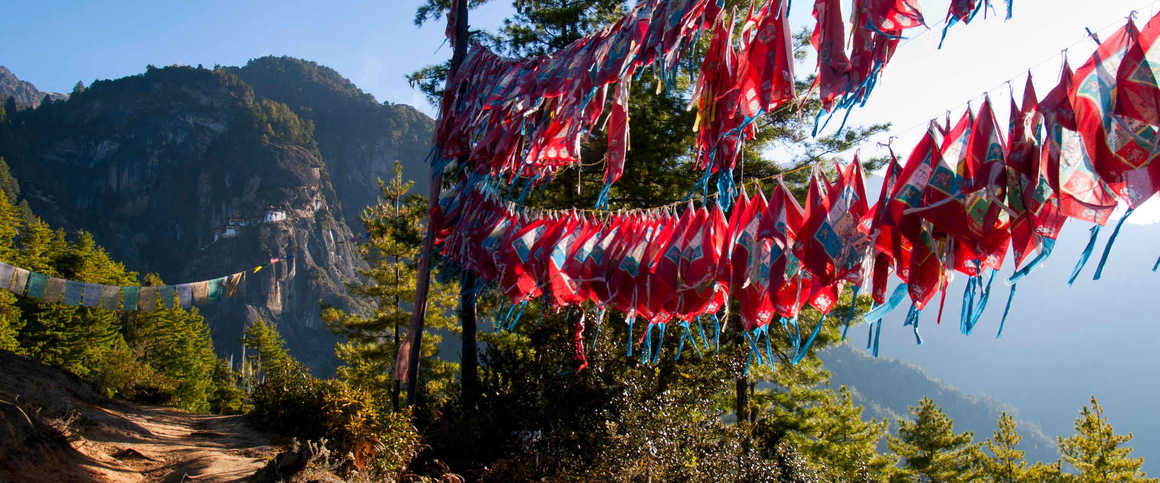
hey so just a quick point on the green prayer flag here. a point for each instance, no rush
(129, 296)
(215, 289)
(165, 296)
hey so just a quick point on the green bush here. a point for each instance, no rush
(375, 442)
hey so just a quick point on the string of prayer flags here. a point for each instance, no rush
(523, 120)
(966, 194)
(110, 297)
(526, 118)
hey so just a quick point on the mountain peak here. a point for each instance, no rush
(26, 94)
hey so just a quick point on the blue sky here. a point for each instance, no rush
(53, 44)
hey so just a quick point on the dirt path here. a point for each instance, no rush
(54, 428)
(141, 443)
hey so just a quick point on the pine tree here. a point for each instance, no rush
(930, 448)
(1006, 464)
(227, 396)
(395, 228)
(1097, 452)
(835, 436)
(269, 348)
(8, 183)
(10, 316)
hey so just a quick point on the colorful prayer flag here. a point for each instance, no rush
(166, 296)
(201, 291)
(185, 295)
(148, 299)
(6, 274)
(130, 297)
(92, 296)
(37, 283)
(110, 296)
(232, 283)
(54, 289)
(215, 288)
(19, 281)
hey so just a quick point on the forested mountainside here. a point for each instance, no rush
(188, 173)
(887, 388)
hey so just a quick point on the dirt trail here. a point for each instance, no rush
(160, 444)
(54, 428)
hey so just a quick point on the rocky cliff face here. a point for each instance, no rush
(186, 173)
(24, 93)
(359, 138)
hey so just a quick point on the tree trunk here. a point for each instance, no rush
(469, 377)
(742, 400)
(407, 360)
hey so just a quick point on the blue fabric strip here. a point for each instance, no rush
(72, 292)
(801, 352)
(877, 336)
(716, 334)
(1087, 253)
(660, 344)
(1046, 246)
(891, 303)
(630, 320)
(912, 320)
(1111, 241)
(1006, 311)
(853, 305)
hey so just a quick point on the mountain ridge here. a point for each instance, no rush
(24, 93)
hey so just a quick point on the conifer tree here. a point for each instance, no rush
(930, 448)
(834, 435)
(10, 320)
(269, 349)
(1006, 464)
(8, 183)
(1097, 452)
(395, 228)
